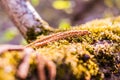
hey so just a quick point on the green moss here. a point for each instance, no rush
(34, 32)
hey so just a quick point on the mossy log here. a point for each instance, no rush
(95, 56)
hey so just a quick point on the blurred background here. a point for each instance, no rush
(60, 14)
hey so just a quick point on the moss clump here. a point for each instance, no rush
(72, 59)
(95, 56)
(91, 57)
(8, 65)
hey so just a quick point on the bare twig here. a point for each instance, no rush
(4, 48)
(41, 63)
(23, 69)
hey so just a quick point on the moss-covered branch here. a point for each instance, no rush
(95, 56)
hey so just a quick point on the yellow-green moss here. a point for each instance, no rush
(88, 57)
(91, 57)
(8, 65)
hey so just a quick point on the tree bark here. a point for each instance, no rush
(25, 18)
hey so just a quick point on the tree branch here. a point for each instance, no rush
(25, 18)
